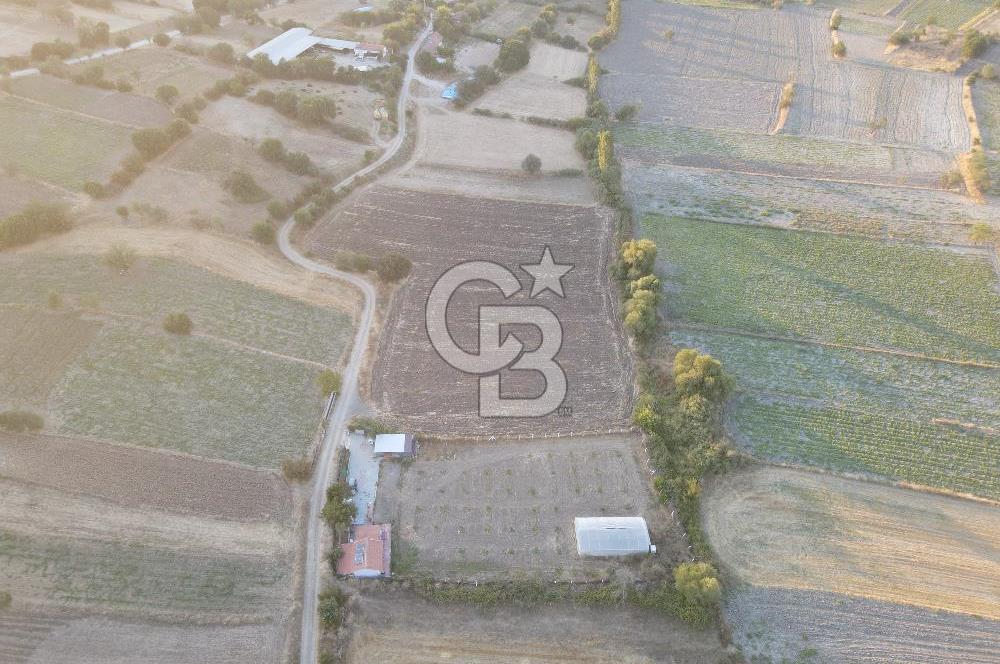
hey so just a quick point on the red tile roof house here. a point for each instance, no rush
(368, 552)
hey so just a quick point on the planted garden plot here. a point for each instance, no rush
(788, 529)
(437, 231)
(819, 205)
(478, 511)
(840, 289)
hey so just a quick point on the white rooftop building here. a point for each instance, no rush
(293, 43)
(394, 444)
(612, 536)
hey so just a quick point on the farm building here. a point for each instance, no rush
(394, 444)
(299, 41)
(612, 536)
(368, 552)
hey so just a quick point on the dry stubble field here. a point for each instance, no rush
(437, 231)
(538, 90)
(478, 511)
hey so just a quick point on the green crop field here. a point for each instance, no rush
(190, 394)
(846, 290)
(58, 147)
(946, 13)
(134, 576)
(925, 453)
(862, 412)
(873, 7)
(986, 95)
(155, 287)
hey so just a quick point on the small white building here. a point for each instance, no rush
(612, 536)
(394, 445)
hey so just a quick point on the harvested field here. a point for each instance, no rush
(127, 109)
(863, 540)
(837, 289)
(36, 347)
(569, 190)
(476, 54)
(803, 203)
(555, 63)
(538, 90)
(479, 511)
(123, 475)
(438, 231)
(59, 147)
(834, 99)
(785, 625)
(462, 140)
(244, 119)
(507, 18)
(396, 627)
(22, 26)
(149, 68)
(19, 191)
(798, 156)
(904, 418)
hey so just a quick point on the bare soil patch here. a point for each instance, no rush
(462, 140)
(124, 475)
(783, 528)
(477, 511)
(438, 231)
(395, 627)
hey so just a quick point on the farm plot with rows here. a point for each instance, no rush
(438, 231)
(731, 63)
(781, 154)
(904, 418)
(479, 511)
(845, 290)
(986, 96)
(817, 205)
(950, 14)
(149, 68)
(863, 540)
(396, 627)
(127, 109)
(772, 624)
(58, 147)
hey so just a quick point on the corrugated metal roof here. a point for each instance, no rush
(611, 536)
(391, 443)
(287, 46)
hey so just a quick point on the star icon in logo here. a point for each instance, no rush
(547, 275)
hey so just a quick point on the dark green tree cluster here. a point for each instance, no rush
(338, 512)
(34, 221)
(273, 150)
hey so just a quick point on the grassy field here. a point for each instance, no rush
(838, 289)
(986, 95)
(948, 14)
(58, 147)
(155, 287)
(190, 394)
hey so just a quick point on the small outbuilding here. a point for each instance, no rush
(450, 93)
(394, 445)
(612, 536)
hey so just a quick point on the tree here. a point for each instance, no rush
(337, 512)
(514, 55)
(271, 149)
(835, 19)
(393, 267)
(161, 39)
(151, 142)
(328, 381)
(626, 112)
(277, 210)
(123, 41)
(316, 110)
(286, 102)
(982, 233)
(638, 257)
(222, 53)
(244, 188)
(604, 150)
(640, 314)
(122, 211)
(839, 49)
(700, 373)
(263, 233)
(698, 583)
(35, 220)
(974, 44)
(178, 323)
(168, 94)
(531, 164)
(120, 257)
(987, 72)
(209, 16)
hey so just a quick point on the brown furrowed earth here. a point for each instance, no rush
(395, 627)
(790, 529)
(412, 383)
(477, 511)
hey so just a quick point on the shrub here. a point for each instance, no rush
(297, 470)
(209, 16)
(34, 221)
(316, 110)
(19, 421)
(263, 233)
(626, 112)
(161, 39)
(168, 94)
(329, 382)
(987, 72)
(122, 85)
(5, 600)
(787, 95)
(951, 178)
(222, 53)
(277, 210)
(123, 41)
(974, 44)
(899, 38)
(332, 608)
(244, 188)
(514, 55)
(299, 163)
(94, 189)
(700, 374)
(93, 34)
(151, 142)
(835, 19)
(351, 262)
(982, 233)
(839, 49)
(531, 164)
(54, 300)
(979, 170)
(638, 257)
(698, 583)
(271, 149)
(393, 267)
(120, 257)
(178, 323)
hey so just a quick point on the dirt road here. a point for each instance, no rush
(348, 400)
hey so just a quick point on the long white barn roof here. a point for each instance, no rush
(293, 43)
(611, 536)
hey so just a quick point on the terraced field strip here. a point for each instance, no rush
(845, 290)
(790, 529)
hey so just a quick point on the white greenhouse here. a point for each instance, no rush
(612, 536)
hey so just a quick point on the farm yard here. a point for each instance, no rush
(244, 381)
(863, 540)
(471, 511)
(395, 627)
(437, 231)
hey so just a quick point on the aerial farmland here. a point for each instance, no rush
(642, 331)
